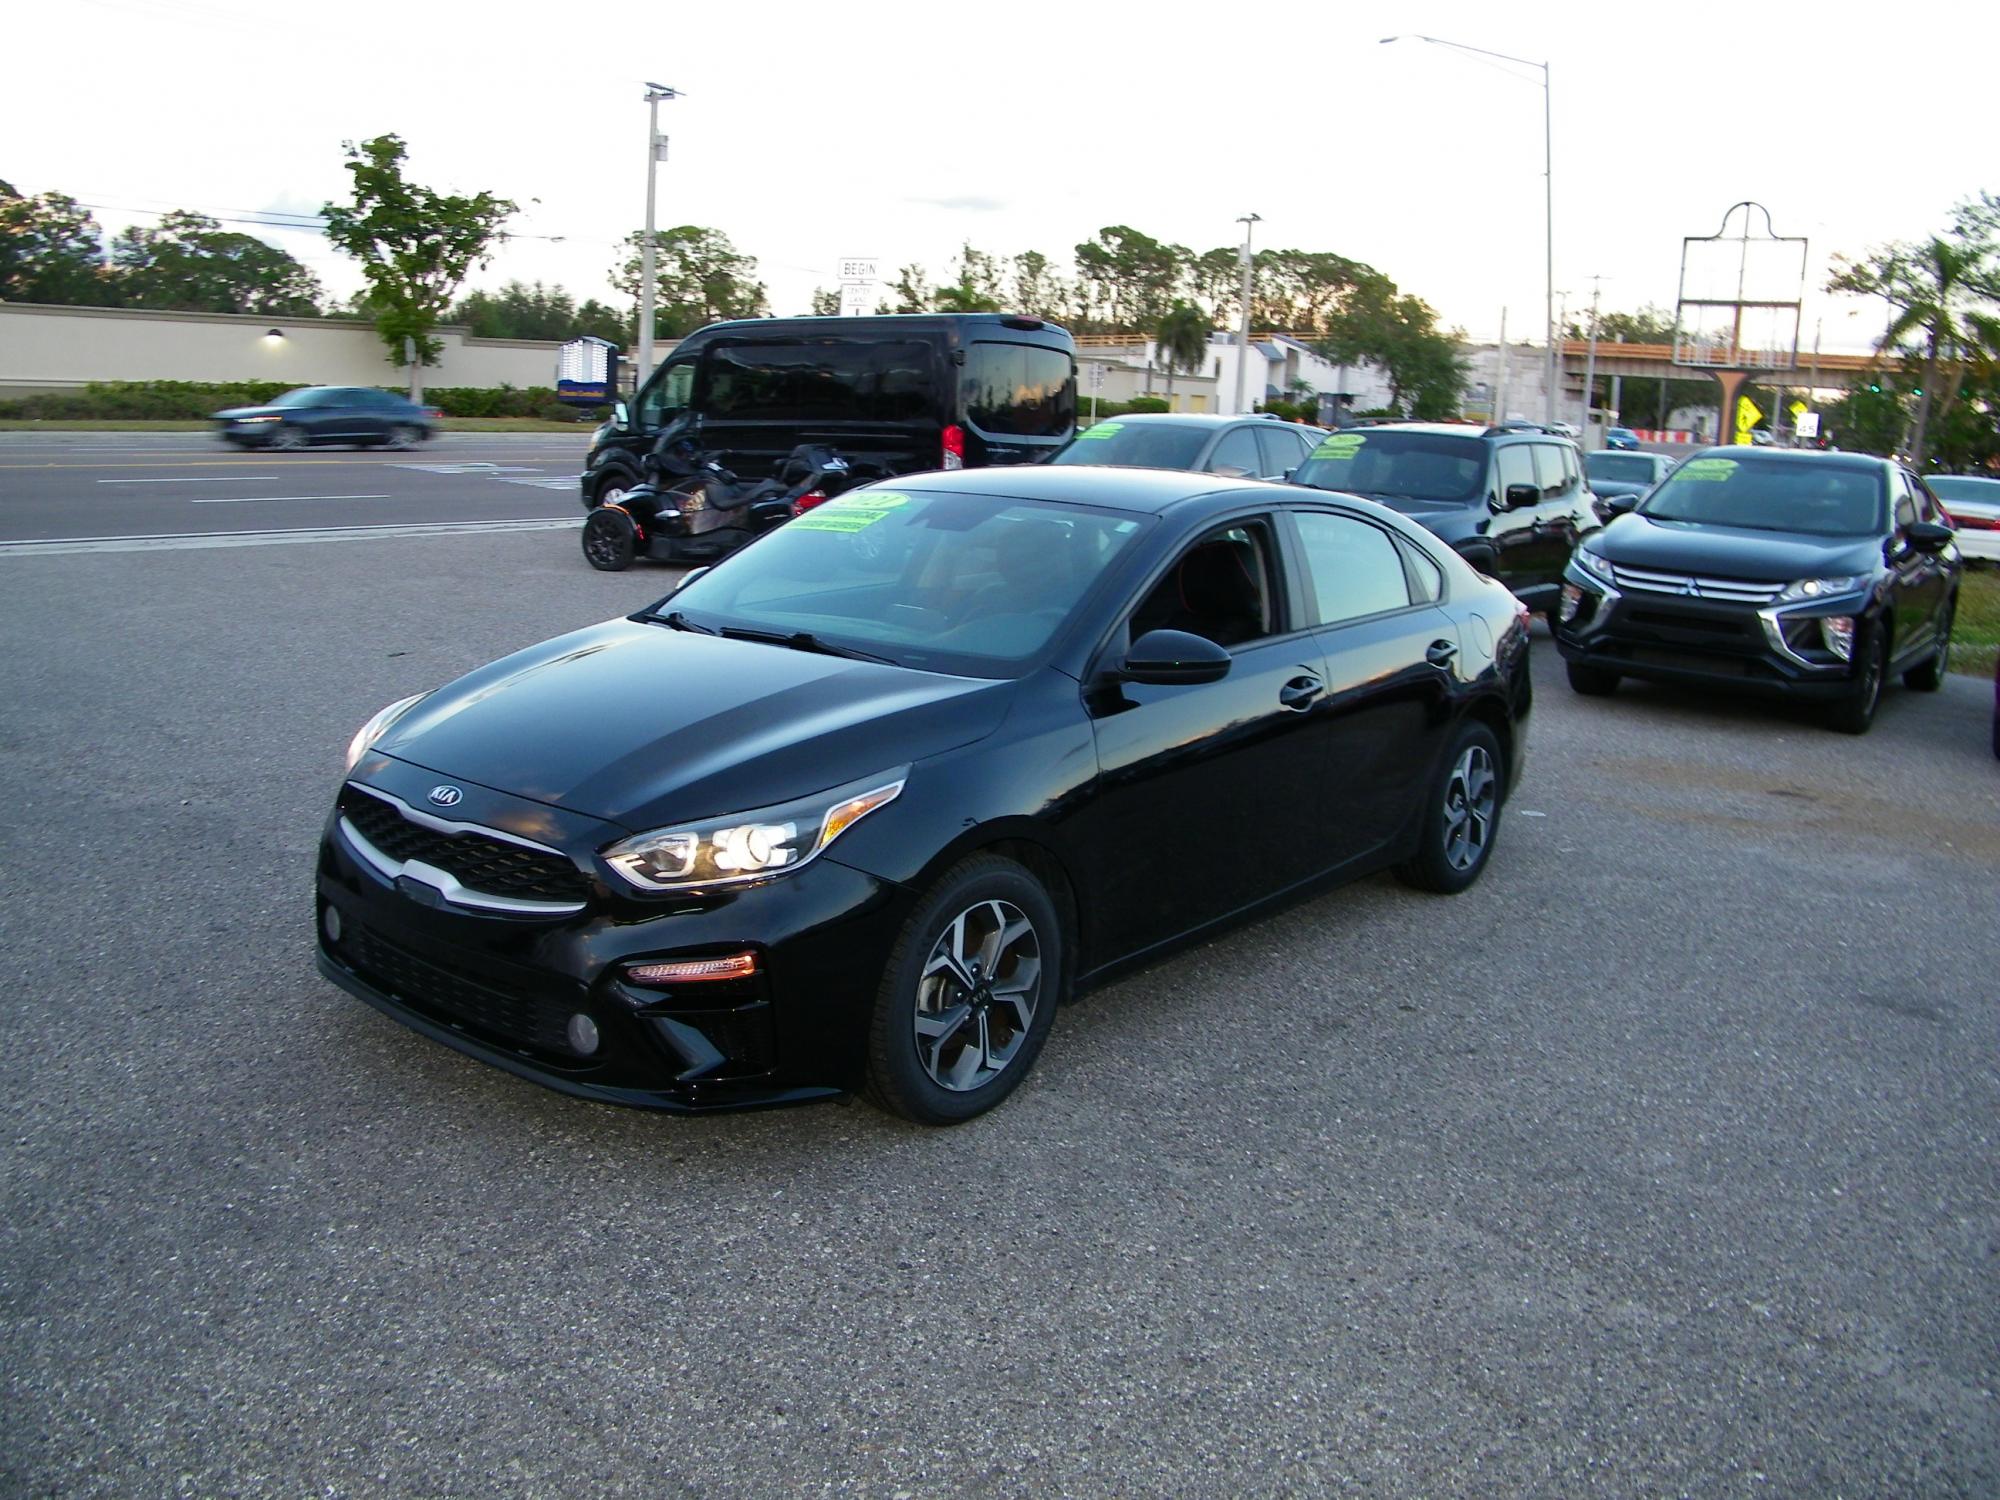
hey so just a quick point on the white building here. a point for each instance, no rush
(1281, 368)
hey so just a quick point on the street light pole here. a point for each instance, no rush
(1548, 207)
(1243, 328)
(655, 150)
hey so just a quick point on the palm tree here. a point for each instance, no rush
(1182, 339)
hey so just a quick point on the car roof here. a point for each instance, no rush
(1145, 491)
(1203, 419)
(1769, 457)
(1447, 429)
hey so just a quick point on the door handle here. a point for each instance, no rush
(1298, 694)
(1441, 653)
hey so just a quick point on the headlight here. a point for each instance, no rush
(1597, 567)
(370, 732)
(1821, 588)
(749, 846)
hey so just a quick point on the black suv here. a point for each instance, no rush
(893, 394)
(1812, 575)
(1510, 500)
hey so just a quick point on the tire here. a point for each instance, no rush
(612, 489)
(1461, 816)
(969, 995)
(610, 540)
(1854, 713)
(401, 438)
(1928, 675)
(1592, 682)
(289, 439)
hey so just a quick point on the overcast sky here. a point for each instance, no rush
(810, 132)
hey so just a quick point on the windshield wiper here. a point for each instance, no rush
(673, 619)
(802, 640)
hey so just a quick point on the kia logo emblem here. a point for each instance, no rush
(446, 796)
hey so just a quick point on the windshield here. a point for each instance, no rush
(1816, 499)
(1137, 445)
(974, 585)
(305, 395)
(1620, 468)
(1391, 465)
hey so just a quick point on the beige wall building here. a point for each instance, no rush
(60, 348)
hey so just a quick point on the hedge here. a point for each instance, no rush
(196, 401)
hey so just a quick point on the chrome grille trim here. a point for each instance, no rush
(446, 884)
(1693, 586)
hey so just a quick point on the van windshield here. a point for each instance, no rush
(820, 380)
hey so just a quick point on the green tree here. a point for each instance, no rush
(1182, 339)
(50, 251)
(825, 303)
(1944, 299)
(977, 287)
(1038, 290)
(1131, 277)
(1215, 282)
(415, 245)
(699, 277)
(190, 263)
(521, 311)
(912, 291)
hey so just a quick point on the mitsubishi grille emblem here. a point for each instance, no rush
(446, 796)
(1686, 588)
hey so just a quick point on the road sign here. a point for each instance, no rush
(1808, 424)
(1747, 417)
(1096, 376)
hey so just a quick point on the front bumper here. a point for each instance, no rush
(1771, 649)
(506, 988)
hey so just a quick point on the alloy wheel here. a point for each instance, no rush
(288, 437)
(1470, 794)
(977, 995)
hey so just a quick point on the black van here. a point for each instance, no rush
(907, 392)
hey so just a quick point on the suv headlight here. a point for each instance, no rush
(1597, 567)
(373, 730)
(748, 846)
(1821, 588)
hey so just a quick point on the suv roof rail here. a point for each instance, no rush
(1501, 427)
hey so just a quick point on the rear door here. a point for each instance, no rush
(1922, 583)
(1512, 528)
(1283, 447)
(1016, 401)
(1234, 455)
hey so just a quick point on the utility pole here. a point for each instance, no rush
(1590, 364)
(1243, 330)
(656, 152)
(1500, 381)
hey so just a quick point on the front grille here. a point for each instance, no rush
(1694, 586)
(479, 863)
(538, 1023)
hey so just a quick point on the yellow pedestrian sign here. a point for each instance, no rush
(1747, 417)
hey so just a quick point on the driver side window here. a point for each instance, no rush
(1220, 588)
(669, 394)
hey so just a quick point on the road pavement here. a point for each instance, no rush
(1662, 1162)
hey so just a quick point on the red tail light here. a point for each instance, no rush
(807, 501)
(1975, 523)
(954, 447)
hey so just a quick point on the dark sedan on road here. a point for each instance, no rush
(859, 806)
(313, 414)
(1809, 575)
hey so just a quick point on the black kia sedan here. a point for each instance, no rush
(858, 806)
(1809, 575)
(313, 414)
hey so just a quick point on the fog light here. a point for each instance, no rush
(330, 924)
(582, 1035)
(1838, 633)
(1572, 599)
(694, 970)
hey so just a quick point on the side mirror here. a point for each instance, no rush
(1617, 505)
(1927, 536)
(620, 414)
(687, 578)
(1174, 656)
(1519, 495)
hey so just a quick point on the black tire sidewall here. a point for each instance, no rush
(1429, 870)
(601, 522)
(897, 1081)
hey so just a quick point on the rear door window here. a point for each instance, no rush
(1516, 466)
(1548, 469)
(1022, 389)
(1235, 455)
(824, 380)
(1281, 449)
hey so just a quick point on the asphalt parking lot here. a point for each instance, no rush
(1661, 1162)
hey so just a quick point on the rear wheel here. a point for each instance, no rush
(1854, 713)
(1592, 682)
(401, 437)
(969, 995)
(610, 540)
(1463, 817)
(1928, 676)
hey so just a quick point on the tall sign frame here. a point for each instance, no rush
(1739, 305)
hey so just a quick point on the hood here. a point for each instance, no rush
(1604, 489)
(1638, 541)
(1417, 506)
(643, 726)
(236, 412)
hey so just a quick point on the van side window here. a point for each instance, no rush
(670, 393)
(1022, 389)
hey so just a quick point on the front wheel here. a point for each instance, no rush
(1854, 713)
(1462, 818)
(969, 995)
(289, 438)
(610, 540)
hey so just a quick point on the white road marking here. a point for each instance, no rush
(194, 541)
(196, 479)
(261, 499)
(468, 467)
(564, 482)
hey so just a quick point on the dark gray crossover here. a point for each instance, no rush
(861, 804)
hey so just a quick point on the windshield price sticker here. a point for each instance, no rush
(851, 512)
(1341, 445)
(1708, 470)
(1101, 430)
